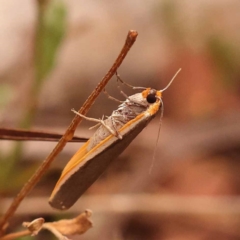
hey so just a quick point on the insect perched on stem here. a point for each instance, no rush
(114, 134)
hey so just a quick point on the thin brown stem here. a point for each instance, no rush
(16, 235)
(131, 38)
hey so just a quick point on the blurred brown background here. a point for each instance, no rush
(192, 192)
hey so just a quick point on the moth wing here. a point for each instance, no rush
(85, 167)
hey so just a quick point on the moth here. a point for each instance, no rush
(111, 138)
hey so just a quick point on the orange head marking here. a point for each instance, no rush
(146, 92)
(159, 94)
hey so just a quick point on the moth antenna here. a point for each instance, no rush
(171, 80)
(158, 136)
(160, 122)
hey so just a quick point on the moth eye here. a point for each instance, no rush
(151, 98)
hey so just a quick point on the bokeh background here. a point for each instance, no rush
(53, 54)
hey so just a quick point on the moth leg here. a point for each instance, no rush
(126, 84)
(117, 134)
(130, 100)
(95, 126)
(126, 96)
(99, 121)
(113, 129)
(112, 98)
(115, 126)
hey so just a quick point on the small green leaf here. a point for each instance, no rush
(5, 95)
(226, 57)
(51, 30)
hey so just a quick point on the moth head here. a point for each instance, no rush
(151, 95)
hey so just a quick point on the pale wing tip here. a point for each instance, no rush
(57, 204)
